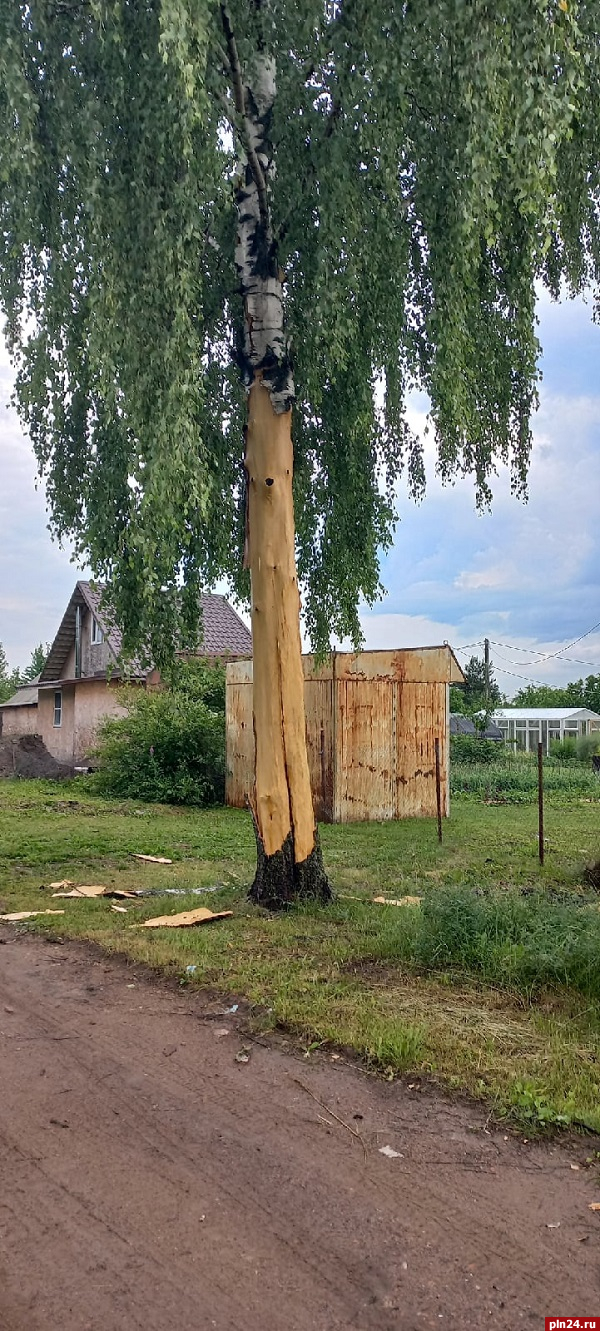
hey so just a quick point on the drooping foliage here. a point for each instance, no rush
(432, 161)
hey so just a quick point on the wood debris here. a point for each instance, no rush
(184, 919)
(28, 915)
(398, 901)
(89, 890)
(152, 859)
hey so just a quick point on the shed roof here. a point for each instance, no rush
(545, 714)
(461, 725)
(26, 695)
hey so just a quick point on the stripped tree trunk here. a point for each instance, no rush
(289, 862)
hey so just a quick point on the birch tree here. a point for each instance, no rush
(268, 221)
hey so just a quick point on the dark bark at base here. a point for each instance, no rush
(279, 882)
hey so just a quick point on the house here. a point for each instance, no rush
(18, 715)
(526, 727)
(373, 723)
(80, 681)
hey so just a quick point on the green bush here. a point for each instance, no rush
(588, 746)
(170, 747)
(564, 750)
(471, 749)
(524, 943)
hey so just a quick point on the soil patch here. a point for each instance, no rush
(27, 756)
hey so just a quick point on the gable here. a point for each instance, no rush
(223, 634)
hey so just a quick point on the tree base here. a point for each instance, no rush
(279, 882)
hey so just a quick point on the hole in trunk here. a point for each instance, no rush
(269, 480)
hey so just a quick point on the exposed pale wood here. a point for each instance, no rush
(282, 794)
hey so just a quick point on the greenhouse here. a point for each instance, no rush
(525, 727)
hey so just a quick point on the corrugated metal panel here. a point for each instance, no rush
(420, 720)
(418, 665)
(318, 694)
(239, 777)
(364, 751)
(371, 736)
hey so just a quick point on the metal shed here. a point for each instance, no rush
(372, 719)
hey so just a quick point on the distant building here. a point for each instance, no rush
(526, 727)
(464, 725)
(79, 684)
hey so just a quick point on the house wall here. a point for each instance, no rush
(94, 699)
(58, 739)
(95, 657)
(84, 705)
(371, 724)
(19, 721)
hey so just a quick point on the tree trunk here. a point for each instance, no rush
(289, 857)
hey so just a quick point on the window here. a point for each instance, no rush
(58, 709)
(97, 634)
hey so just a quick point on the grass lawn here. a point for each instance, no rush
(492, 985)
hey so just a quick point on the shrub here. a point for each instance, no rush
(565, 750)
(170, 747)
(588, 746)
(524, 943)
(471, 749)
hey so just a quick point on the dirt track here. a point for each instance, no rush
(148, 1180)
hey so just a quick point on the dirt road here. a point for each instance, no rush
(148, 1180)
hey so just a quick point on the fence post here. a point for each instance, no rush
(541, 802)
(438, 789)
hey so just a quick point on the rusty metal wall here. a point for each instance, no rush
(372, 719)
(239, 769)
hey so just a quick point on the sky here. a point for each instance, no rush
(526, 576)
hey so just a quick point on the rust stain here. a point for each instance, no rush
(371, 751)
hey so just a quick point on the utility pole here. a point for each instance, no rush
(486, 646)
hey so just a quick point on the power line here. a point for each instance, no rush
(571, 660)
(527, 678)
(550, 656)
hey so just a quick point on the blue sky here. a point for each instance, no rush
(525, 576)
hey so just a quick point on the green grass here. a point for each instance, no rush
(513, 779)
(491, 986)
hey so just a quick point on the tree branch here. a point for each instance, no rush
(239, 97)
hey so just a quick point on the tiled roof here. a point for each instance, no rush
(224, 633)
(222, 628)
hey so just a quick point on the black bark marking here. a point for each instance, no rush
(279, 882)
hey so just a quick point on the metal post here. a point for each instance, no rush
(486, 648)
(541, 801)
(438, 789)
